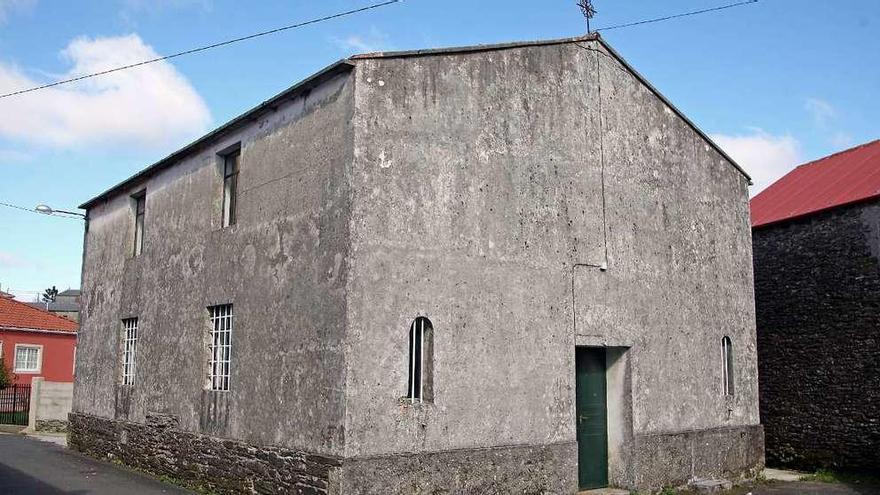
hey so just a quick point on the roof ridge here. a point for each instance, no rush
(841, 152)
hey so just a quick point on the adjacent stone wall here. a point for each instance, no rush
(212, 464)
(527, 470)
(817, 285)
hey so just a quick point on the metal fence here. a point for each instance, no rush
(15, 404)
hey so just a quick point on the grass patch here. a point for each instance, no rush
(822, 476)
(851, 479)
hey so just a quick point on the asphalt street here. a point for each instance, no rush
(30, 467)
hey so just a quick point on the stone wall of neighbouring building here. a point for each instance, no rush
(817, 286)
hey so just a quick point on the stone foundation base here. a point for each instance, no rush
(527, 470)
(198, 461)
(673, 459)
(227, 466)
(50, 425)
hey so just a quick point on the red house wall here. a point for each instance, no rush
(57, 354)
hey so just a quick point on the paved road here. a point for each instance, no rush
(812, 488)
(31, 467)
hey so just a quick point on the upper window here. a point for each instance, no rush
(140, 207)
(220, 347)
(129, 350)
(27, 358)
(727, 365)
(230, 186)
(421, 359)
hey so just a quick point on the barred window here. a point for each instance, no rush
(421, 358)
(129, 349)
(220, 347)
(727, 365)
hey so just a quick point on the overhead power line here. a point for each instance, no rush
(202, 48)
(676, 16)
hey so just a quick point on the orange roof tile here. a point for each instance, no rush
(18, 315)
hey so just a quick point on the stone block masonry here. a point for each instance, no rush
(817, 288)
(214, 464)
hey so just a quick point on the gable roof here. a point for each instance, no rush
(348, 63)
(846, 177)
(15, 315)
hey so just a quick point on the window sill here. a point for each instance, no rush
(26, 372)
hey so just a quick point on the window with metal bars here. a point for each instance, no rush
(220, 347)
(231, 164)
(129, 350)
(421, 359)
(140, 207)
(727, 365)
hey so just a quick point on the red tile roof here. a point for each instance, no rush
(843, 178)
(18, 315)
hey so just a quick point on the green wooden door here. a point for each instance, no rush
(592, 428)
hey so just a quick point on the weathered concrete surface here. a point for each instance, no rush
(283, 266)
(478, 188)
(50, 404)
(528, 470)
(673, 459)
(818, 285)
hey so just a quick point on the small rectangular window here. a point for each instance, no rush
(230, 186)
(129, 349)
(27, 358)
(220, 347)
(140, 206)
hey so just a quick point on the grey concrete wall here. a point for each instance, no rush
(54, 401)
(679, 272)
(282, 265)
(478, 187)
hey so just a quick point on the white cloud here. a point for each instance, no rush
(822, 111)
(147, 106)
(374, 41)
(765, 157)
(7, 7)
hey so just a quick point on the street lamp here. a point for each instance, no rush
(48, 210)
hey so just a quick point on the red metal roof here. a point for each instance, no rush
(18, 315)
(846, 177)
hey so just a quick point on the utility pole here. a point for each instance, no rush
(588, 11)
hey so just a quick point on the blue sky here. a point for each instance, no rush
(776, 83)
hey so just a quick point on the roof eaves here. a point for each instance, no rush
(37, 330)
(270, 104)
(801, 216)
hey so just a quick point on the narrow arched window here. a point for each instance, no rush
(421, 360)
(727, 365)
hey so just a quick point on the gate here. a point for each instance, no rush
(15, 402)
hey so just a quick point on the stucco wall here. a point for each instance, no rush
(282, 265)
(817, 282)
(478, 186)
